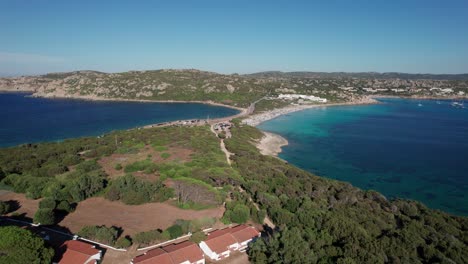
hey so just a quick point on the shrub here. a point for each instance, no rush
(44, 216)
(134, 191)
(198, 237)
(165, 155)
(118, 166)
(65, 206)
(148, 237)
(47, 203)
(103, 234)
(138, 166)
(239, 214)
(160, 148)
(123, 242)
(87, 166)
(4, 208)
(175, 231)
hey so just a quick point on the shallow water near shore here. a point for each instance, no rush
(28, 120)
(414, 149)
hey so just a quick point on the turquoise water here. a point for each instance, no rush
(27, 120)
(398, 148)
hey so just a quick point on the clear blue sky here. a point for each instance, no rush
(234, 36)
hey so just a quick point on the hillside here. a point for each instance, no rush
(236, 90)
(319, 220)
(361, 75)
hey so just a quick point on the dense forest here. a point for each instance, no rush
(318, 220)
(326, 221)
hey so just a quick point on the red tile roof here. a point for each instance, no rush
(76, 252)
(154, 256)
(220, 243)
(184, 251)
(171, 254)
(219, 240)
(245, 234)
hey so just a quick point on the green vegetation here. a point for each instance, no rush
(326, 221)
(102, 234)
(131, 190)
(150, 237)
(118, 166)
(123, 242)
(180, 227)
(19, 246)
(4, 208)
(319, 220)
(236, 213)
(45, 216)
(165, 155)
(198, 237)
(69, 172)
(195, 194)
(47, 203)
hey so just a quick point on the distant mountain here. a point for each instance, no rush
(361, 75)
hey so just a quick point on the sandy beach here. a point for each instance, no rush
(271, 144)
(257, 119)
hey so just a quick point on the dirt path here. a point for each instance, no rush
(222, 146)
(266, 221)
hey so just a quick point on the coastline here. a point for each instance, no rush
(271, 144)
(97, 98)
(257, 119)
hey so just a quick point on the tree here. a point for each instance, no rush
(45, 216)
(240, 214)
(65, 206)
(123, 242)
(18, 245)
(47, 203)
(175, 231)
(198, 237)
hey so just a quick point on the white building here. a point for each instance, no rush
(302, 96)
(221, 243)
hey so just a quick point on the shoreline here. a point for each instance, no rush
(96, 98)
(271, 144)
(257, 119)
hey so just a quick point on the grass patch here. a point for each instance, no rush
(165, 155)
(160, 148)
(141, 165)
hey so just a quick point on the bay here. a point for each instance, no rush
(27, 119)
(414, 149)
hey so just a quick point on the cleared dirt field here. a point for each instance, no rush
(132, 218)
(26, 206)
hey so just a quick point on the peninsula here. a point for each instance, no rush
(129, 192)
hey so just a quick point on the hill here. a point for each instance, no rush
(236, 90)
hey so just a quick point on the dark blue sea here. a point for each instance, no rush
(414, 149)
(26, 120)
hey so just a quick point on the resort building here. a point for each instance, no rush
(221, 243)
(302, 96)
(78, 252)
(183, 253)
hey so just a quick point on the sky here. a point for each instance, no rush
(239, 36)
